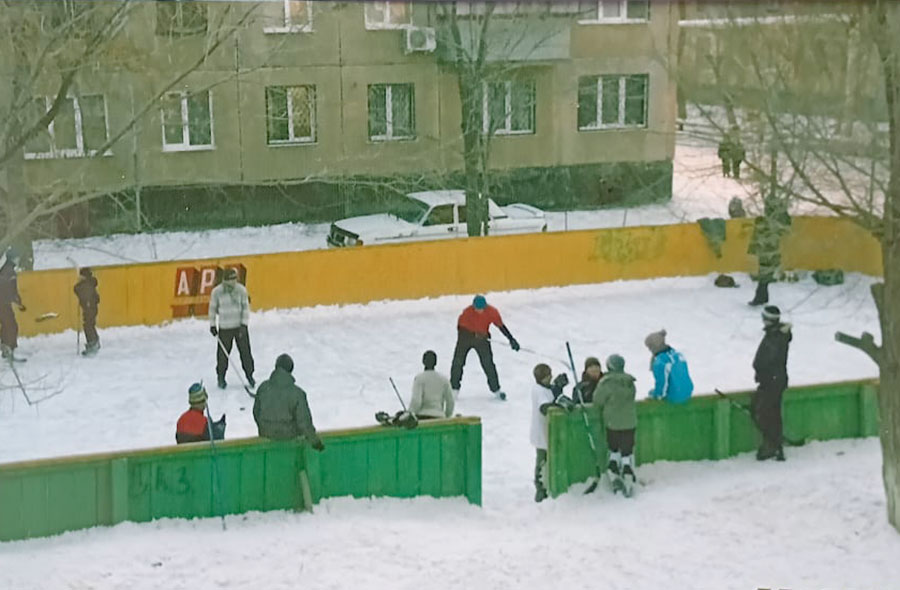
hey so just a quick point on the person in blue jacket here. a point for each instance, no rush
(670, 371)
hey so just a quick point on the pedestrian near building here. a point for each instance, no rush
(89, 301)
(431, 393)
(765, 244)
(615, 395)
(473, 331)
(672, 381)
(193, 426)
(229, 305)
(770, 372)
(731, 152)
(9, 296)
(281, 410)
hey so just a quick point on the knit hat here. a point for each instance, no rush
(615, 363)
(196, 394)
(592, 361)
(541, 372)
(656, 341)
(771, 314)
(429, 359)
(479, 302)
(85, 271)
(284, 361)
(229, 275)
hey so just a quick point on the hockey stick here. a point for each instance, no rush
(587, 426)
(791, 442)
(415, 419)
(532, 352)
(233, 368)
(217, 494)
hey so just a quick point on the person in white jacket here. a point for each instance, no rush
(431, 393)
(230, 304)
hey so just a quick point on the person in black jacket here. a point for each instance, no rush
(281, 410)
(583, 392)
(770, 368)
(89, 300)
(9, 295)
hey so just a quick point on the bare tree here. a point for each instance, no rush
(843, 160)
(61, 42)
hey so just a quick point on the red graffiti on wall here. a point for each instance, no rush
(193, 286)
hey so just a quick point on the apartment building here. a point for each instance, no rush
(307, 96)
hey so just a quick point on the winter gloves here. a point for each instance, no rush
(514, 344)
(214, 331)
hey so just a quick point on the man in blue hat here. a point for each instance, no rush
(9, 294)
(473, 331)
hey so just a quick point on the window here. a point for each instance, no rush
(615, 11)
(187, 121)
(391, 112)
(612, 101)
(509, 107)
(440, 215)
(180, 17)
(388, 15)
(78, 130)
(291, 114)
(295, 17)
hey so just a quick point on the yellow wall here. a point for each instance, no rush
(145, 293)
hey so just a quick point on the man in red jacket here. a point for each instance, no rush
(473, 331)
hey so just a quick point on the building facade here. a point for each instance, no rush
(309, 105)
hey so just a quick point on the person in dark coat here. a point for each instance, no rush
(583, 392)
(9, 295)
(193, 425)
(280, 408)
(770, 369)
(89, 300)
(473, 331)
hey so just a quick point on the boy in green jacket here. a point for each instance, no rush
(614, 395)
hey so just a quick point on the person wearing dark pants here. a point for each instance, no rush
(614, 396)
(473, 331)
(9, 296)
(89, 300)
(230, 304)
(770, 368)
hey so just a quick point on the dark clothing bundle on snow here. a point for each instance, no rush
(281, 410)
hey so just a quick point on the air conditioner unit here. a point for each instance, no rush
(420, 39)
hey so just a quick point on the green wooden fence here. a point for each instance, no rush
(440, 458)
(708, 427)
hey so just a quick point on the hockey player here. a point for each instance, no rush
(281, 410)
(89, 300)
(193, 426)
(544, 395)
(615, 396)
(670, 371)
(230, 303)
(9, 295)
(770, 369)
(583, 392)
(473, 331)
(431, 394)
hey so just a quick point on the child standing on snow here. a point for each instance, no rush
(544, 394)
(615, 396)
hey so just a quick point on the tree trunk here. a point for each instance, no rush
(471, 94)
(16, 186)
(889, 390)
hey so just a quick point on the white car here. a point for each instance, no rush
(432, 215)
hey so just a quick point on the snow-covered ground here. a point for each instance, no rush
(699, 190)
(816, 521)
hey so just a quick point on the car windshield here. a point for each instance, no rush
(409, 210)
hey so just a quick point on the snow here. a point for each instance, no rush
(816, 521)
(699, 190)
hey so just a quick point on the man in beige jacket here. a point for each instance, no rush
(431, 394)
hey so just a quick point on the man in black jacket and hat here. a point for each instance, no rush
(280, 408)
(770, 369)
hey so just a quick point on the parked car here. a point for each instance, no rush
(432, 215)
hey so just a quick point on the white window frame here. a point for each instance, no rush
(389, 114)
(79, 151)
(386, 25)
(293, 139)
(620, 124)
(288, 26)
(185, 145)
(507, 105)
(599, 19)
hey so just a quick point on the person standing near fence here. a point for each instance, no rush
(770, 371)
(9, 295)
(230, 304)
(89, 301)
